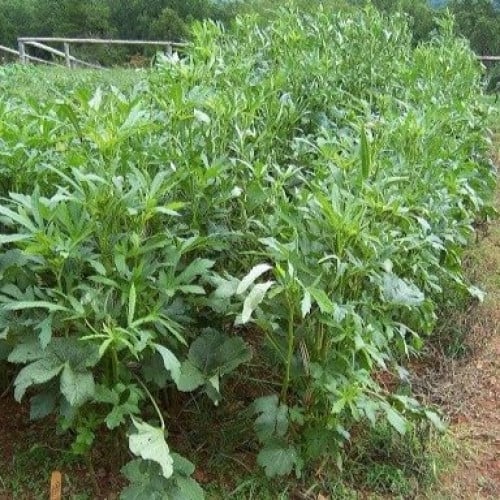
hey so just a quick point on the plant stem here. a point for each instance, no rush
(291, 344)
(155, 405)
(114, 365)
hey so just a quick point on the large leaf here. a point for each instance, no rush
(273, 418)
(399, 292)
(42, 405)
(39, 372)
(187, 488)
(77, 387)
(12, 238)
(278, 460)
(190, 377)
(198, 267)
(33, 304)
(45, 334)
(215, 353)
(395, 419)
(149, 443)
(24, 353)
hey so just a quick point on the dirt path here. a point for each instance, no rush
(467, 387)
(476, 426)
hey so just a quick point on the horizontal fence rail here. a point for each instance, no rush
(15, 52)
(69, 58)
(71, 61)
(9, 50)
(489, 58)
(102, 41)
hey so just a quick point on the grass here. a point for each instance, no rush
(43, 82)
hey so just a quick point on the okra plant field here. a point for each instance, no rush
(260, 232)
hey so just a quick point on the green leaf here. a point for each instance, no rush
(233, 352)
(399, 292)
(250, 278)
(321, 298)
(12, 238)
(226, 288)
(477, 293)
(170, 362)
(77, 387)
(187, 488)
(182, 465)
(278, 460)
(42, 405)
(116, 417)
(16, 217)
(201, 117)
(33, 304)
(215, 353)
(67, 111)
(24, 353)
(305, 305)
(190, 378)
(45, 334)
(132, 297)
(192, 289)
(39, 372)
(366, 160)
(436, 420)
(396, 420)
(96, 101)
(149, 443)
(273, 418)
(198, 267)
(253, 299)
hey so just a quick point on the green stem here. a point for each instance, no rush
(291, 345)
(114, 365)
(152, 399)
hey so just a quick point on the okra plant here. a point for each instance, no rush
(311, 181)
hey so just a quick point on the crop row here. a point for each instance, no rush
(299, 193)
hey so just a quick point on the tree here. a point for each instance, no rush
(169, 26)
(479, 21)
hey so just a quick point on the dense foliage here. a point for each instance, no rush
(297, 193)
(478, 20)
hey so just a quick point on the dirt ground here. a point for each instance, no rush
(467, 387)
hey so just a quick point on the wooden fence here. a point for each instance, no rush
(489, 58)
(28, 57)
(69, 60)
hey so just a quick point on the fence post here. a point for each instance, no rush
(22, 52)
(168, 51)
(67, 56)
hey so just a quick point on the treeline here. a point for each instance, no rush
(129, 19)
(477, 20)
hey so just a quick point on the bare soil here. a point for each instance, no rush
(467, 387)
